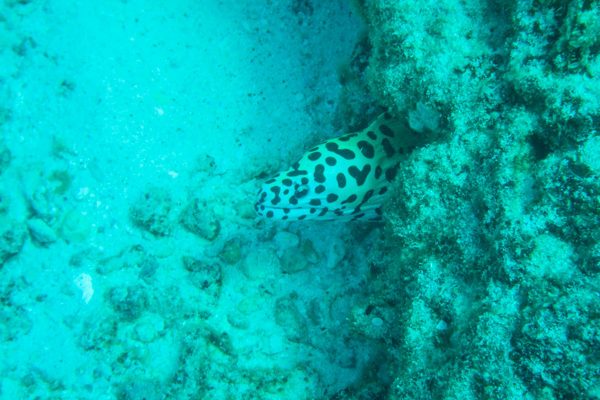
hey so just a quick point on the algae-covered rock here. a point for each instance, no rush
(43, 202)
(307, 249)
(200, 219)
(231, 252)
(241, 316)
(205, 164)
(204, 275)
(97, 333)
(40, 232)
(220, 340)
(298, 258)
(152, 211)
(261, 263)
(293, 261)
(12, 238)
(148, 267)
(4, 201)
(284, 240)
(128, 301)
(17, 322)
(5, 157)
(291, 320)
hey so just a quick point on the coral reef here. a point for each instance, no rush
(491, 260)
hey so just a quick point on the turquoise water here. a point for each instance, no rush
(136, 134)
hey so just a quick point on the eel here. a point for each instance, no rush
(346, 178)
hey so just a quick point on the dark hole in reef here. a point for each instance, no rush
(540, 147)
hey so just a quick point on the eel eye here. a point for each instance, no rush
(301, 191)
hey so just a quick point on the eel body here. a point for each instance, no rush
(345, 178)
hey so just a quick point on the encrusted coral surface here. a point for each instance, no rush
(492, 255)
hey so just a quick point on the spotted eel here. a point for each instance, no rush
(345, 178)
